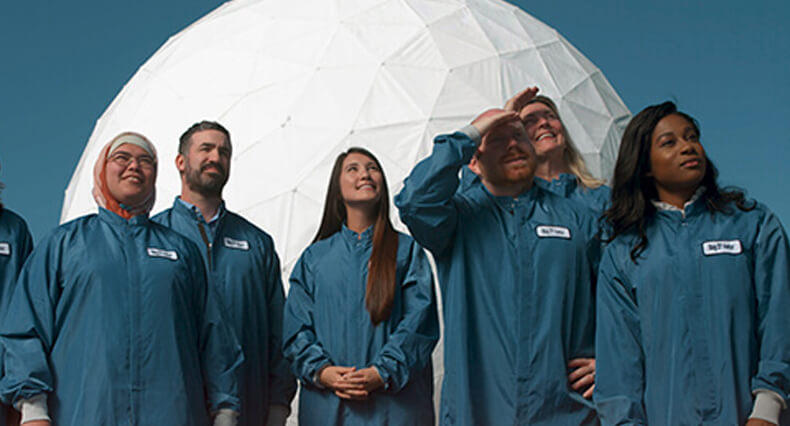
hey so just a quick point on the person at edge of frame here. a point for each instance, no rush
(693, 289)
(112, 321)
(15, 246)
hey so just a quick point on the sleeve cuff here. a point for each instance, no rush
(385, 377)
(472, 132)
(317, 376)
(33, 409)
(226, 417)
(768, 405)
(277, 415)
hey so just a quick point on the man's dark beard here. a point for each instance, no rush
(210, 186)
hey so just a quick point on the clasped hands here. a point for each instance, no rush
(350, 383)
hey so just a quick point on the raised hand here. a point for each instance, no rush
(493, 118)
(517, 102)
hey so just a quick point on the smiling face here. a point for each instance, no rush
(206, 166)
(544, 129)
(505, 160)
(677, 158)
(361, 180)
(130, 174)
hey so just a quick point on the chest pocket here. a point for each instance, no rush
(726, 271)
(556, 250)
(169, 272)
(725, 256)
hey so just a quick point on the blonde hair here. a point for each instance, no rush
(572, 157)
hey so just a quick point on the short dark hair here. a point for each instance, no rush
(183, 142)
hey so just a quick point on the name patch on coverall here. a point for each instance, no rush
(545, 231)
(5, 249)
(167, 254)
(236, 244)
(710, 248)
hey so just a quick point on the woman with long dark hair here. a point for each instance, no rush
(360, 319)
(692, 323)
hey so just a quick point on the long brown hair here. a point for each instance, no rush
(380, 290)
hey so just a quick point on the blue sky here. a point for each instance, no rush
(728, 66)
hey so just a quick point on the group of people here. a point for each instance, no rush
(660, 301)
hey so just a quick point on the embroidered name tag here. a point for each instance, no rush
(236, 244)
(545, 231)
(5, 249)
(167, 254)
(710, 248)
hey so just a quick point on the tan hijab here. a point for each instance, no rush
(100, 192)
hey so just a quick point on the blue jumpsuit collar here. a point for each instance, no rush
(564, 184)
(114, 219)
(526, 198)
(189, 209)
(691, 210)
(366, 237)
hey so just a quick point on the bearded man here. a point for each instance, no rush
(516, 270)
(243, 268)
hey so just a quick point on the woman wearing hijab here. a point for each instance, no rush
(360, 319)
(15, 246)
(111, 322)
(692, 319)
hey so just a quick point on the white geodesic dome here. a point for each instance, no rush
(298, 81)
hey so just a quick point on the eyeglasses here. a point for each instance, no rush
(123, 159)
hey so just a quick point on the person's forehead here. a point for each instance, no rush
(536, 108)
(211, 136)
(507, 128)
(131, 149)
(359, 158)
(672, 123)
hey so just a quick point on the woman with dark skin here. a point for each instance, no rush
(360, 320)
(692, 290)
